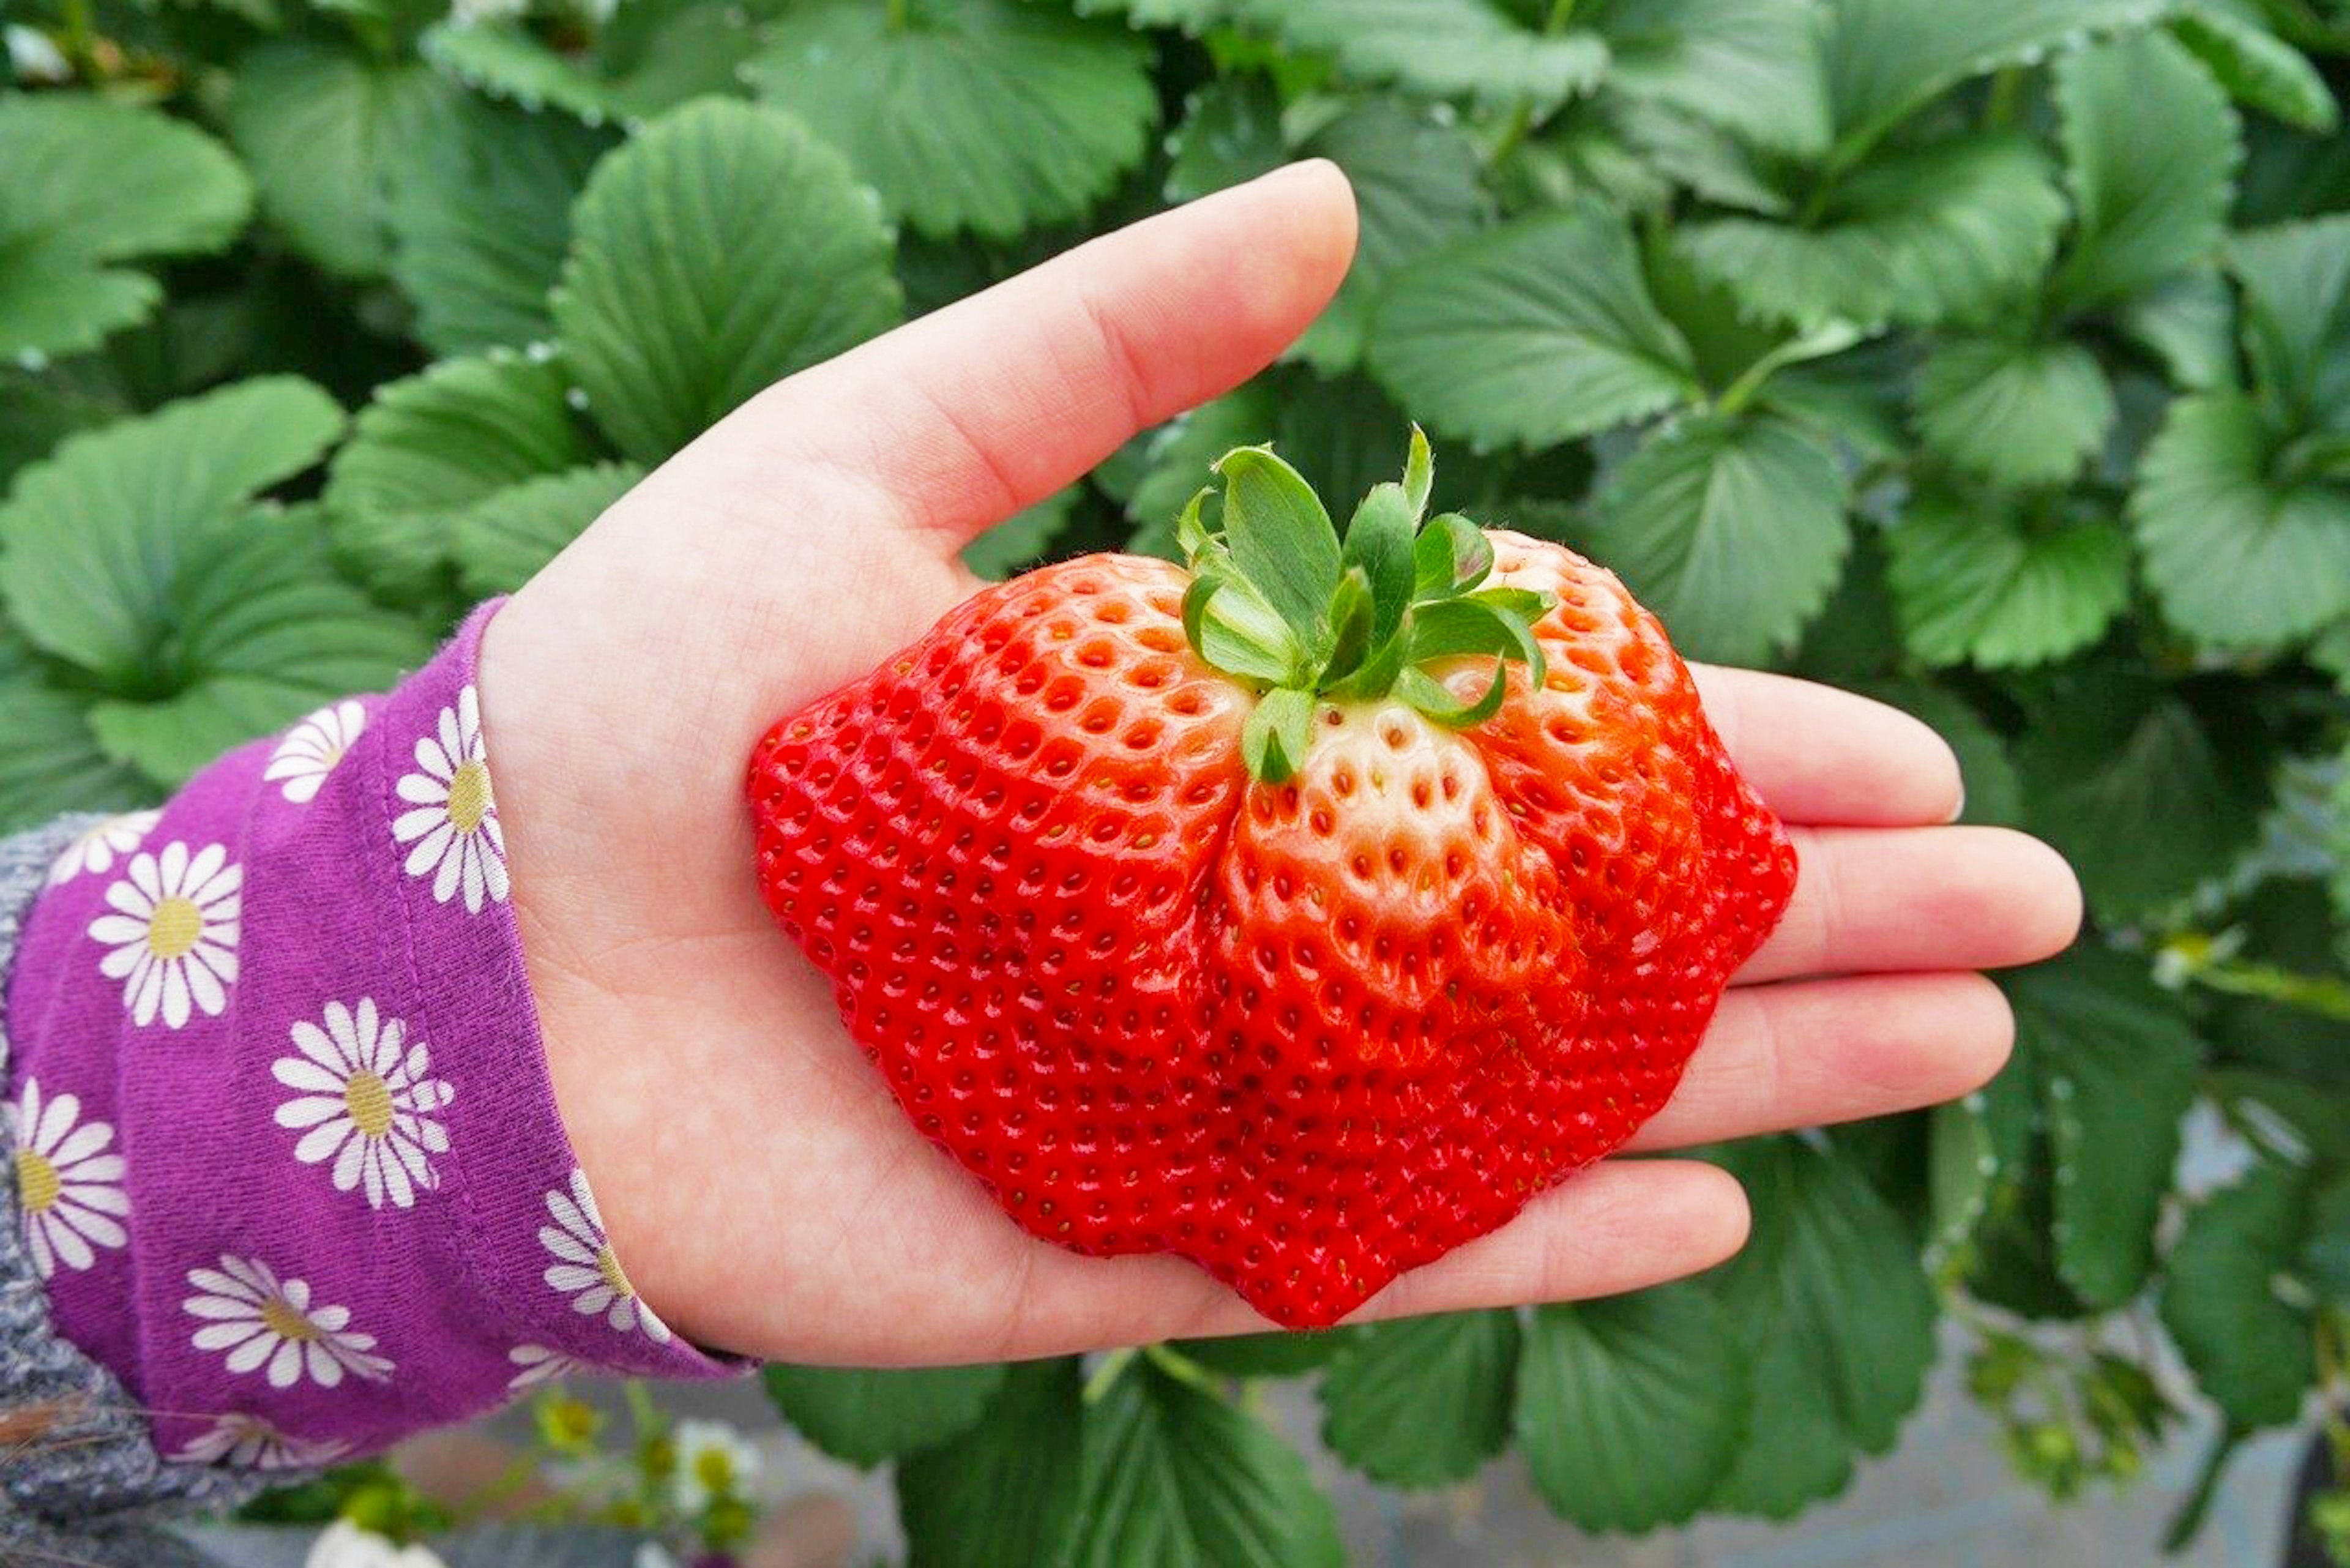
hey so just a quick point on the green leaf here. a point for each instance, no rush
(1418, 185)
(93, 540)
(2131, 783)
(1888, 58)
(1752, 65)
(2115, 1065)
(1175, 1478)
(2325, 1256)
(1694, 152)
(1963, 1170)
(2237, 555)
(2251, 1350)
(35, 415)
(650, 57)
(262, 632)
(480, 217)
(1005, 1490)
(1278, 731)
(868, 1416)
(49, 761)
(1975, 581)
(723, 248)
(2296, 283)
(1016, 543)
(1443, 49)
(1535, 332)
(1830, 1283)
(85, 183)
(2150, 152)
(320, 128)
(1630, 1409)
(1945, 231)
(1282, 539)
(1423, 1401)
(2258, 67)
(989, 116)
(2021, 413)
(501, 541)
(1733, 529)
(2189, 321)
(1179, 455)
(1274, 1355)
(433, 445)
(1380, 540)
(1231, 134)
(1994, 793)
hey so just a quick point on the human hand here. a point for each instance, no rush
(755, 1175)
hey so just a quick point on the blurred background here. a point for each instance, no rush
(1993, 358)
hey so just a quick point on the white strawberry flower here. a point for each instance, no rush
(173, 933)
(713, 1460)
(344, 1545)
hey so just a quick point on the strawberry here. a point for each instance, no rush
(1304, 911)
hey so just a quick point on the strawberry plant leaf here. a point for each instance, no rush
(1424, 1401)
(722, 249)
(1752, 65)
(1176, 455)
(1013, 545)
(433, 444)
(2150, 150)
(869, 1415)
(1941, 231)
(1176, 1477)
(35, 416)
(480, 217)
(320, 128)
(1791, 1455)
(84, 183)
(49, 761)
(2021, 413)
(2296, 316)
(1974, 582)
(1994, 793)
(985, 116)
(93, 541)
(1006, 1489)
(1731, 528)
(1630, 1409)
(502, 540)
(2257, 67)
(262, 632)
(1535, 332)
(1231, 134)
(2326, 1256)
(2248, 1347)
(2115, 1063)
(1694, 152)
(647, 58)
(2239, 552)
(1273, 1355)
(1444, 48)
(2189, 322)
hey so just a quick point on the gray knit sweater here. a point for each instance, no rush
(92, 1488)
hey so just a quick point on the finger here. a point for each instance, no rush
(1819, 755)
(1877, 900)
(973, 412)
(1809, 1053)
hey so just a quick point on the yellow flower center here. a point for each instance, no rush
(469, 796)
(614, 1275)
(37, 1181)
(368, 1099)
(173, 927)
(277, 1315)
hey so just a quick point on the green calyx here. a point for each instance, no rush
(1280, 601)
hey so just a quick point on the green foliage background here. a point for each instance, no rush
(1993, 358)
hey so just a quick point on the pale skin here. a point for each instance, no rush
(760, 1184)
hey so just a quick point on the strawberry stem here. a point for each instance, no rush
(1280, 602)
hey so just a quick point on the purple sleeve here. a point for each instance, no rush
(290, 1159)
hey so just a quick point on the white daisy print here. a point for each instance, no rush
(69, 1188)
(173, 933)
(454, 828)
(538, 1365)
(262, 1320)
(366, 1095)
(310, 749)
(586, 1269)
(248, 1442)
(95, 848)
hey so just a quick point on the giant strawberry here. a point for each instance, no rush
(1304, 912)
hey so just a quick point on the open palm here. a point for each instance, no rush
(757, 1175)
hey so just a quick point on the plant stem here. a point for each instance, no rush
(1561, 12)
(2322, 994)
(2006, 96)
(1522, 119)
(898, 13)
(1112, 1368)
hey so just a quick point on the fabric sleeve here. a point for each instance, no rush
(288, 1163)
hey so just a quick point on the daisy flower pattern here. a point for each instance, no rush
(69, 1188)
(173, 933)
(262, 1321)
(538, 1365)
(454, 830)
(366, 1095)
(248, 1442)
(96, 849)
(310, 749)
(586, 1269)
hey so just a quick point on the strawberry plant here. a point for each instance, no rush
(1993, 358)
